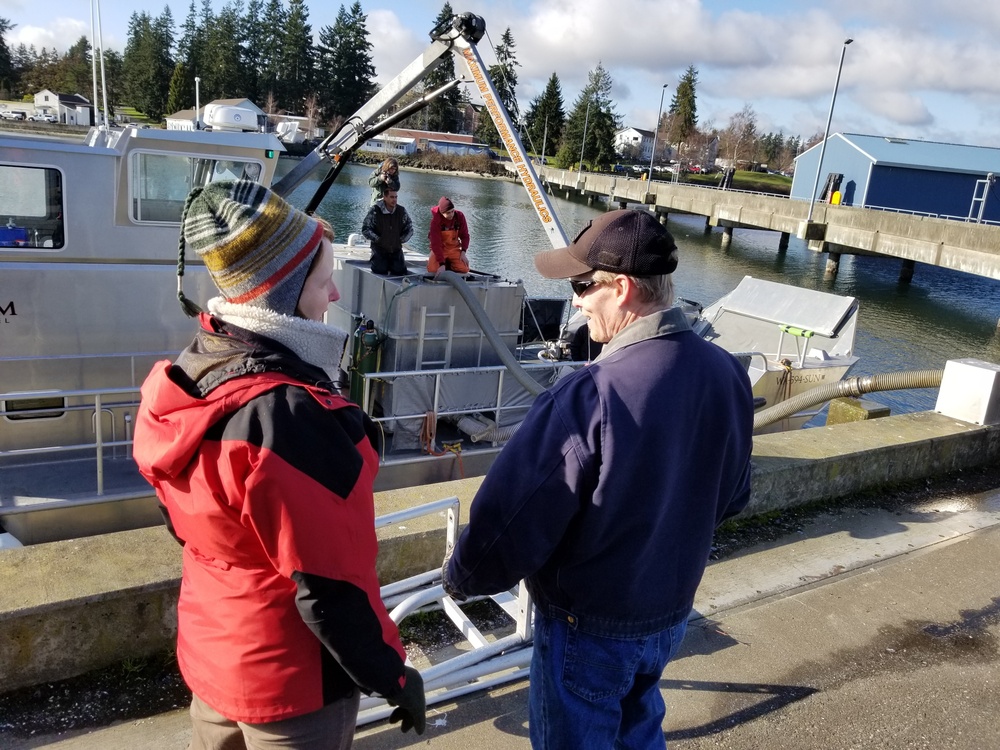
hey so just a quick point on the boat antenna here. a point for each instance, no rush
(104, 80)
(93, 60)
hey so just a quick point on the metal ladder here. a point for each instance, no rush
(422, 336)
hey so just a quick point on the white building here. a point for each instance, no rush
(71, 109)
(637, 143)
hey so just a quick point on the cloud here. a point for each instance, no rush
(61, 34)
(393, 45)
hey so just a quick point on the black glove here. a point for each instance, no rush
(458, 596)
(411, 706)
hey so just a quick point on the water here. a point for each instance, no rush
(940, 315)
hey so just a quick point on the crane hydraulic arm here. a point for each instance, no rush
(459, 37)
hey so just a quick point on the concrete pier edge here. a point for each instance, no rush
(69, 607)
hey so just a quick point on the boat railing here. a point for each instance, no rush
(489, 659)
(98, 401)
(440, 406)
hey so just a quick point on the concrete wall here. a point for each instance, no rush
(70, 607)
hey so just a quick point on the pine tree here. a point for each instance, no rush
(223, 75)
(7, 79)
(296, 57)
(504, 77)
(346, 75)
(592, 123)
(545, 118)
(252, 39)
(181, 93)
(271, 77)
(683, 111)
(148, 63)
(442, 113)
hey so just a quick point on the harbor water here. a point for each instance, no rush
(939, 315)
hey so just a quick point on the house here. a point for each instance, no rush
(948, 180)
(636, 143)
(70, 109)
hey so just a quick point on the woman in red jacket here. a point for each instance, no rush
(265, 474)
(449, 236)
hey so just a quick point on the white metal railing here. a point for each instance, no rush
(93, 401)
(487, 662)
(439, 409)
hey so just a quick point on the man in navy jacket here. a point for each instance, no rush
(606, 499)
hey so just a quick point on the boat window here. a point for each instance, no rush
(34, 408)
(31, 211)
(160, 182)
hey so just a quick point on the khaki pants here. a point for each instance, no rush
(330, 728)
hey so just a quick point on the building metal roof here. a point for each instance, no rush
(907, 152)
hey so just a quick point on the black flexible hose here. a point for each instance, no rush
(891, 381)
(508, 359)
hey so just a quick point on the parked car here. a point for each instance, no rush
(13, 114)
(43, 117)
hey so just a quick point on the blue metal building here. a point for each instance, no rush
(901, 174)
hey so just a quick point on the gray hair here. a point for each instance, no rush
(650, 289)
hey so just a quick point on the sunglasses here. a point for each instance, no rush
(580, 287)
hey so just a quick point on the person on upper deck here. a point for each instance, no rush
(387, 226)
(385, 175)
(449, 238)
(605, 499)
(265, 474)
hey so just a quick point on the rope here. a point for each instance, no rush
(190, 308)
(428, 433)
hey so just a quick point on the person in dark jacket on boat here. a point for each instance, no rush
(265, 473)
(606, 498)
(387, 226)
(385, 176)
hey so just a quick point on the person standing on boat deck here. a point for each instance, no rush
(387, 226)
(386, 175)
(449, 238)
(606, 498)
(265, 475)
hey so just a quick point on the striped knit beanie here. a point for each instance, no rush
(257, 248)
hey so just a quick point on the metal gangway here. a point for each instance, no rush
(486, 660)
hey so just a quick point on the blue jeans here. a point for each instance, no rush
(596, 692)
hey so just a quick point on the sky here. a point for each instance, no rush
(924, 69)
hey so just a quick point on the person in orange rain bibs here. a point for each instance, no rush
(449, 236)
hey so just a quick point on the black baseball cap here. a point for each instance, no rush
(622, 241)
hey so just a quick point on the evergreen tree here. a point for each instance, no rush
(296, 58)
(7, 80)
(592, 124)
(345, 73)
(148, 64)
(271, 77)
(683, 111)
(504, 77)
(545, 118)
(223, 75)
(443, 113)
(253, 36)
(181, 93)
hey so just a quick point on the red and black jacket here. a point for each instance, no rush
(266, 476)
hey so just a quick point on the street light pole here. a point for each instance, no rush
(656, 129)
(583, 143)
(826, 133)
(197, 103)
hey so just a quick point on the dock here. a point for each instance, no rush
(835, 230)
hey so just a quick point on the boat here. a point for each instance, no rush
(444, 364)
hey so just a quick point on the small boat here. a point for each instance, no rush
(88, 256)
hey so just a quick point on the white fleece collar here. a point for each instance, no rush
(317, 343)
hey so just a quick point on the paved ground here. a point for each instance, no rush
(869, 629)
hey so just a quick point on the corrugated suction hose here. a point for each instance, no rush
(891, 381)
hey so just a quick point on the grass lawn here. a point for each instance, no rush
(759, 182)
